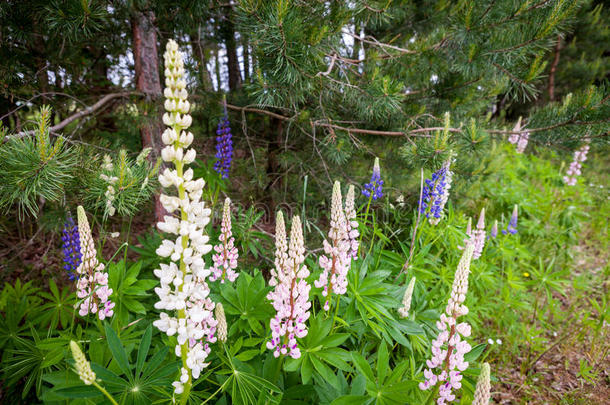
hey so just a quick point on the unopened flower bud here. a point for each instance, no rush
(83, 368)
(222, 323)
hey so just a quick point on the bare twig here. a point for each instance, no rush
(412, 132)
(373, 41)
(34, 97)
(258, 110)
(74, 117)
(330, 67)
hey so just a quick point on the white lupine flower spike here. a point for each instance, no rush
(82, 365)
(92, 284)
(225, 259)
(482, 393)
(406, 300)
(222, 323)
(478, 236)
(290, 297)
(352, 223)
(337, 257)
(447, 363)
(187, 312)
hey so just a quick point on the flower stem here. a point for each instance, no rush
(336, 312)
(433, 394)
(182, 313)
(99, 387)
(278, 371)
(366, 216)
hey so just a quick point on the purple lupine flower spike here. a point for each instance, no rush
(224, 147)
(512, 225)
(436, 193)
(574, 170)
(374, 188)
(71, 247)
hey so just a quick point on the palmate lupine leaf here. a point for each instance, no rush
(372, 303)
(30, 360)
(321, 353)
(245, 387)
(58, 307)
(139, 383)
(386, 386)
(246, 299)
(128, 290)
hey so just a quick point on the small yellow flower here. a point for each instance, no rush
(526, 274)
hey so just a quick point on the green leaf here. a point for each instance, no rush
(134, 305)
(382, 362)
(247, 355)
(292, 364)
(108, 377)
(155, 361)
(363, 366)
(358, 385)
(306, 370)
(351, 400)
(118, 351)
(79, 391)
(324, 371)
(143, 350)
(475, 352)
(334, 340)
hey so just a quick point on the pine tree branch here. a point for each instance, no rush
(259, 111)
(558, 125)
(80, 114)
(413, 132)
(509, 74)
(419, 132)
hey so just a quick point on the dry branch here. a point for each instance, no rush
(80, 114)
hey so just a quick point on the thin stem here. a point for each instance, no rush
(366, 216)
(405, 267)
(99, 387)
(336, 312)
(433, 394)
(278, 371)
(216, 392)
(373, 235)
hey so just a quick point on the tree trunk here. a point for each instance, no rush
(228, 32)
(554, 69)
(146, 62)
(356, 47)
(202, 54)
(246, 53)
(217, 69)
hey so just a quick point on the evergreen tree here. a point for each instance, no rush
(318, 86)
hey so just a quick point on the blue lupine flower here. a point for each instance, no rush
(432, 194)
(224, 147)
(436, 193)
(512, 225)
(71, 247)
(375, 186)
